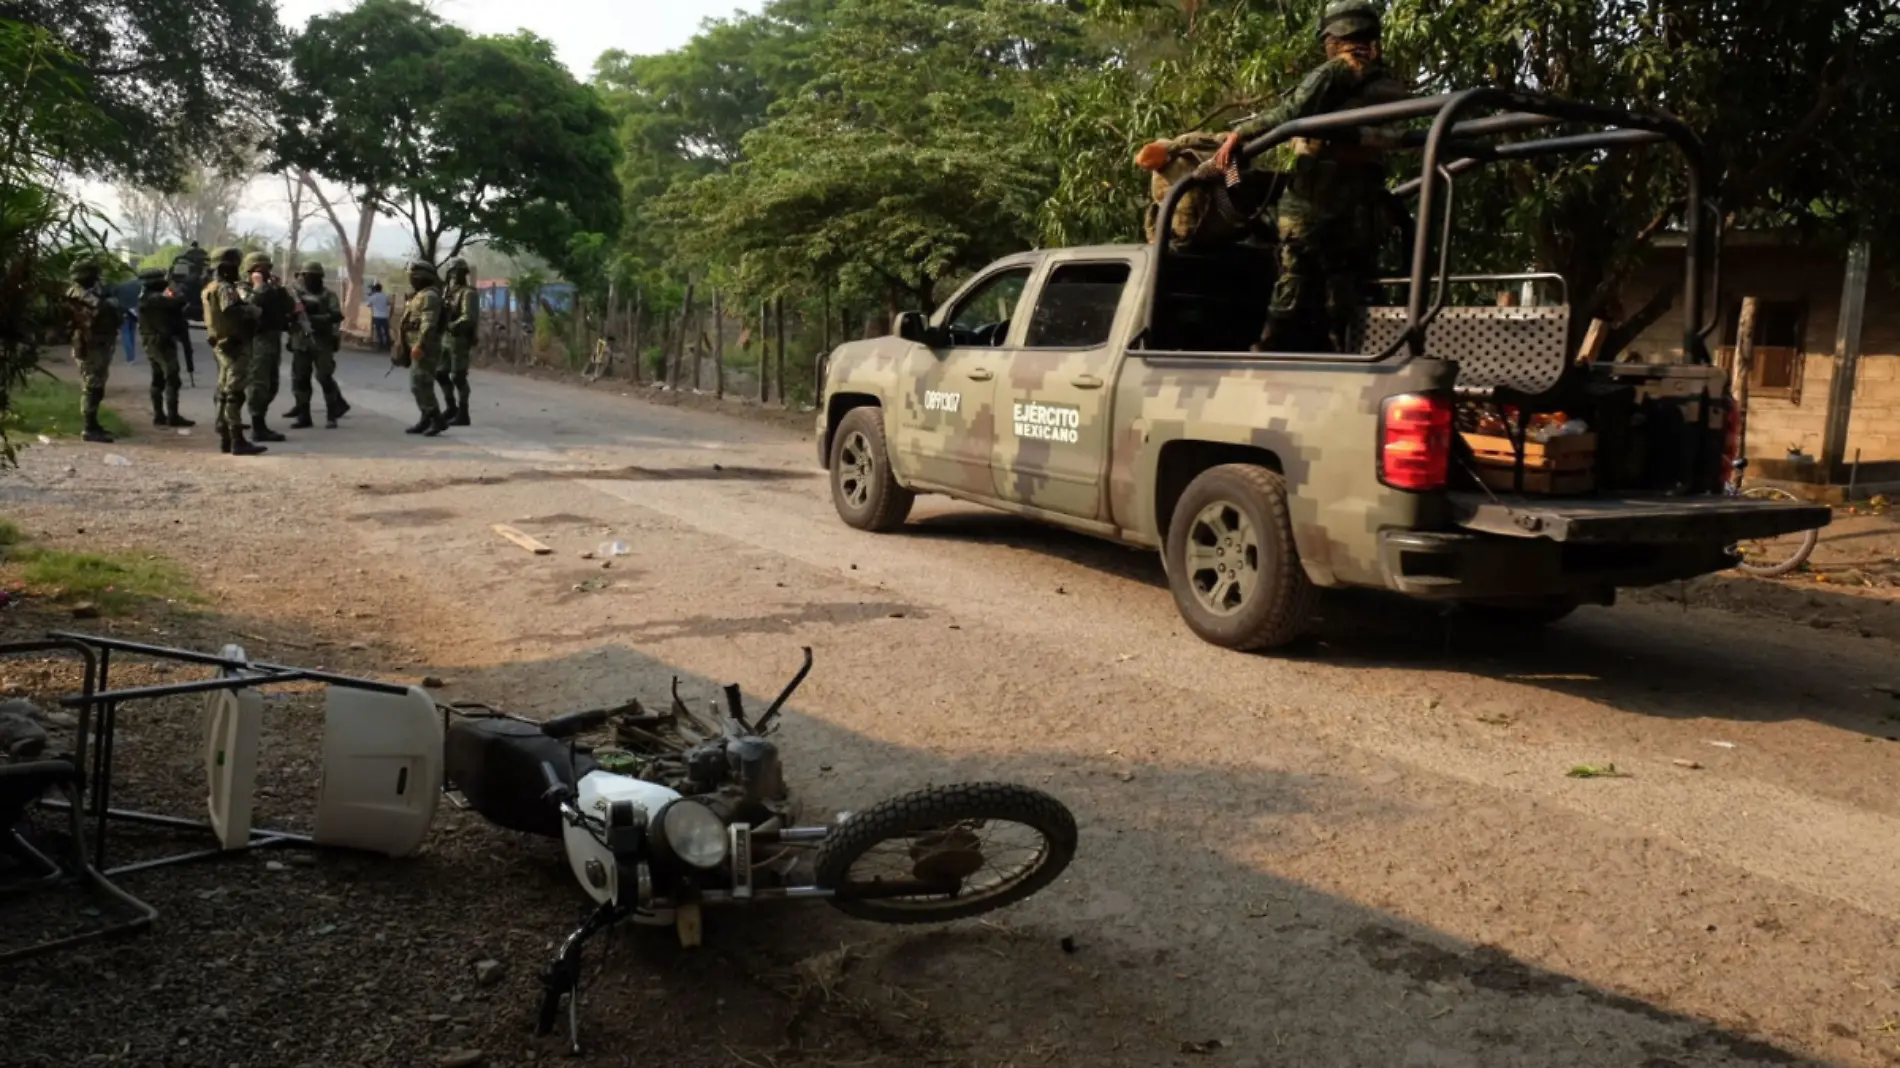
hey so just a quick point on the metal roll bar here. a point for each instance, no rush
(1520, 111)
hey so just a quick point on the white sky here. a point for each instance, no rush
(580, 29)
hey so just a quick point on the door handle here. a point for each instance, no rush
(981, 374)
(1086, 382)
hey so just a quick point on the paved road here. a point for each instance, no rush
(1367, 853)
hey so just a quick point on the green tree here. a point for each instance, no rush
(162, 81)
(463, 138)
(42, 229)
(906, 159)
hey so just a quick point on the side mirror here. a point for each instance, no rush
(912, 326)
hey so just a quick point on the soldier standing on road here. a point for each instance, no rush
(96, 320)
(316, 351)
(161, 320)
(229, 323)
(1335, 207)
(274, 306)
(464, 312)
(419, 345)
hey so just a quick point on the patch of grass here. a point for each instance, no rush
(114, 583)
(50, 406)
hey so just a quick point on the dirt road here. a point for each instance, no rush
(1368, 853)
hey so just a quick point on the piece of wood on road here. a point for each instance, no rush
(521, 539)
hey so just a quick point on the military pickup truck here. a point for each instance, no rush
(1111, 390)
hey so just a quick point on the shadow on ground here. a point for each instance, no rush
(357, 960)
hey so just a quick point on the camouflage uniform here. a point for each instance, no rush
(1335, 208)
(97, 318)
(230, 321)
(161, 320)
(316, 352)
(419, 345)
(274, 306)
(464, 314)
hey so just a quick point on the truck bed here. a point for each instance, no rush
(1634, 518)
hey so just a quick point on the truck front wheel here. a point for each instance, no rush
(1231, 562)
(863, 489)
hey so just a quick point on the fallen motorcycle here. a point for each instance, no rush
(682, 811)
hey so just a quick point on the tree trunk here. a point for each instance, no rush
(679, 343)
(719, 347)
(778, 360)
(639, 355)
(508, 327)
(824, 345)
(577, 329)
(355, 250)
(765, 347)
(699, 345)
(1741, 369)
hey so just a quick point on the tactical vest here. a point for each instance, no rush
(221, 322)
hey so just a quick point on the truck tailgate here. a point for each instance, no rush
(1634, 519)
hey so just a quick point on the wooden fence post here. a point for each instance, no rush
(679, 344)
(778, 360)
(719, 347)
(765, 345)
(1741, 369)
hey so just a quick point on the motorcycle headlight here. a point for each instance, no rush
(694, 834)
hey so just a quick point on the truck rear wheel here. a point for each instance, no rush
(863, 488)
(1231, 562)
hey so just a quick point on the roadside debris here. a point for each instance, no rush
(1723, 745)
(488, 972)
(521, 539)
(1212, 1045)
(1596, 771)
(1690, 764)
(113, 459)
(613, 548)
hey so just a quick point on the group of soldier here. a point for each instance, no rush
(1333, 211)
(249, 314)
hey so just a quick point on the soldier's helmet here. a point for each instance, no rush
(457, 264)
(228, 256)
(311, 269)
(1349, 18)
(84, 267)
(256, 261)
(153, 276)
(422, 267)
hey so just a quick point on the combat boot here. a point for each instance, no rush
(436, 425)
(259, 430)
(424, 425)
(224, 439)
(90, 409)
(158, 408)
(329, 419)
(172, 418)
(461, 399)
(302, 415)
(241, 447)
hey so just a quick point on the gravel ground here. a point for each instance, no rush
(1367, 853)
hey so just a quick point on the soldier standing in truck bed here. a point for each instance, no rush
(1336, 206)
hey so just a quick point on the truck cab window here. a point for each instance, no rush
(1076, 309)
(982, 318)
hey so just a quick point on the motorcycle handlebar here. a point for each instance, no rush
(557, 787)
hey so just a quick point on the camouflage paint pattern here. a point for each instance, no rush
(1089, 456)
(96, 320)
(230, 321)
(161, 321)
(419, 333)
(316, 354)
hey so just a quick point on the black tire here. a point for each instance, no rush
(863, 488)
(1523, 612)
(934, 807)
(1278, 608)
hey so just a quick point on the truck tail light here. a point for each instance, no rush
(1415, 441)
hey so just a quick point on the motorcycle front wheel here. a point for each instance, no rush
(925, 857)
